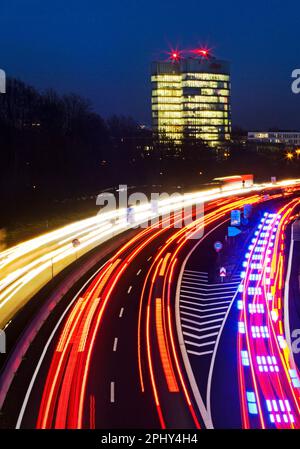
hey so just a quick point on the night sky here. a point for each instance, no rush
(103, 50)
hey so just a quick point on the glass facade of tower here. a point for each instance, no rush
(191, 100)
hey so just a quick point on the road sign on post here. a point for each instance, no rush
(218, 246)
(232, 231)
(235, 217)
(222, 273)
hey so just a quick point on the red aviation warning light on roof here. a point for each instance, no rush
(204, 52)
(175, 55)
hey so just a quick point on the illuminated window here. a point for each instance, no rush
(194, 105)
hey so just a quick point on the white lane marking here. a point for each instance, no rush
(199, 323)
(201, 281)
(197, 316)
(197, 395)
(203, 275)
(206, 286)
(112, 392)
(200, 353)
(200, 345)
(195, 295)
(139, 272)
(191, 277)
(149, 258)
(203, 310)
(204, 297)
(38, 366)
(218, 286)
(115, 344)
(129, 290)
(207, 301)
(212, 363)
(198, 302)
(198, 272)
(200, 337)
(226, 283)
(121, 312)
(197, 329)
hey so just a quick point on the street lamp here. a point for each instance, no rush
(289, 156)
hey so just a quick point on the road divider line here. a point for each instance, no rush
(112, 392)
(115, 344)
(121, 312)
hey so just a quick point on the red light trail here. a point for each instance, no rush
(267, 394)
(65, 400)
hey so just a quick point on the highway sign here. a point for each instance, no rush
(222, 272)
(233, 231)
(218, 246)
(235, 218)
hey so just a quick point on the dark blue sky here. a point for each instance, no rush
(103, 49)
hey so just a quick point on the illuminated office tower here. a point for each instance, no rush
(191, 99)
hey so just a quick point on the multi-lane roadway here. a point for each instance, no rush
(150, 338)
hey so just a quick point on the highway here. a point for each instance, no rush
(268, 391)
(137, 344)
(30, 265)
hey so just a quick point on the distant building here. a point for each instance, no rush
(291, 138)
(191, 98)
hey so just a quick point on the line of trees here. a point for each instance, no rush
(55, 146)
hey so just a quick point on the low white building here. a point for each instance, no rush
(279, 137)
